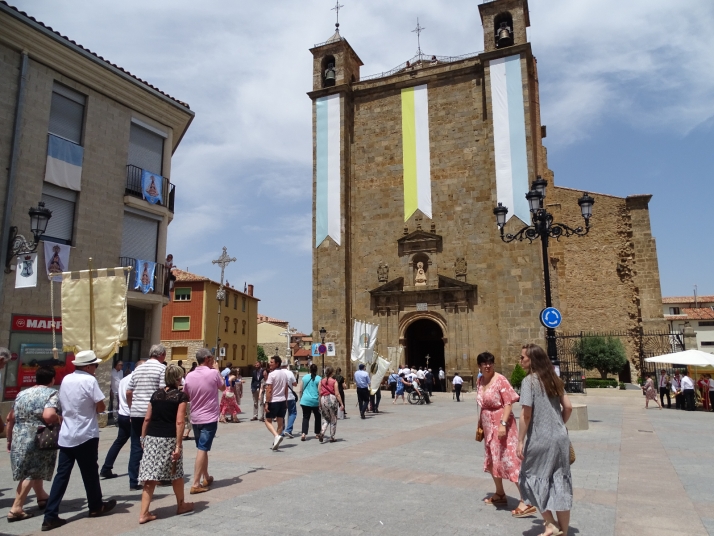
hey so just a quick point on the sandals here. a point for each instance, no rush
(524, 512)
(42, 503)
(497, 498)
(11, 518)
(554, 530)
(207, 483)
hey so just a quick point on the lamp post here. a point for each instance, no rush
(323, 332)
(544, 227)
(222, 261)
(18, 245)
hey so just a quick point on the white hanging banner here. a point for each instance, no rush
(327, 169)
(26, 271)
(364, 337)
(509, 135)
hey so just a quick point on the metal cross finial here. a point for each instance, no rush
(418, 30)
(336, 9)
(223, 261)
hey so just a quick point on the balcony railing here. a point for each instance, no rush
(159, 276)
(133, 187)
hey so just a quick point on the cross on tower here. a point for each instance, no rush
(336, 9)
(418, 30)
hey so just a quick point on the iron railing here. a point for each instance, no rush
(133, 187)
(418, 62)
(160, 276)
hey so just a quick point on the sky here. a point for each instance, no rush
(627, 94)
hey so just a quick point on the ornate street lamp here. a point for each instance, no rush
(17, 244)
(544, 227)
(323, 332)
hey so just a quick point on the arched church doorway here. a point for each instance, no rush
(424, 338)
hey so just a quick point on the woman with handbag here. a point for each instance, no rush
(330, 403)
(495, 398)
(34, 413)
(545, 480)
(310, 402)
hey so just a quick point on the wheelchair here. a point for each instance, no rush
(414, 396)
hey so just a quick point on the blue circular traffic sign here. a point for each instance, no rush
(550, 317)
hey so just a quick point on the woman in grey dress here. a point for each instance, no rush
(33, 407)
(545, 480)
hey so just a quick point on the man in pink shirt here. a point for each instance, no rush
(276, 395)
(202, 387)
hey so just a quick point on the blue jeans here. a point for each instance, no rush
(86, 456)
(136, 452)
(124, 424)
(292, 415)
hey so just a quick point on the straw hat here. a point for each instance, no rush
(86, 357)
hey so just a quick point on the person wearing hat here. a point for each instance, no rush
(80, 399)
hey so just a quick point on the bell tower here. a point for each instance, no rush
(504, 23)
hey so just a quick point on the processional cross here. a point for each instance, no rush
(223, 261)
(418, 30)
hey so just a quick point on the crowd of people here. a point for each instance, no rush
(154, 402)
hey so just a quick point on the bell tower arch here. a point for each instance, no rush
(504, 23)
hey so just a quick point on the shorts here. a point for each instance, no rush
(276, 410)
(204, 434)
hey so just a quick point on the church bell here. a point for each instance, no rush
(330, 75)
(505, 36)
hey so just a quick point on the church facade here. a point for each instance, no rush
(408, 167)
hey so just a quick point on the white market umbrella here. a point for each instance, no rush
(695, 358)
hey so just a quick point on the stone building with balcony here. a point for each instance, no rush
(57, 95)
(196, 319)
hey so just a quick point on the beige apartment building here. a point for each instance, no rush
(56, 93)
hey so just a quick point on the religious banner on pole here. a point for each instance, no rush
(26, 271)
(151, 186)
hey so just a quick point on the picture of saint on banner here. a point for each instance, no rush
(145, 276)
(151, 185)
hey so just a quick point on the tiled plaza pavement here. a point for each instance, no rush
(417, 470)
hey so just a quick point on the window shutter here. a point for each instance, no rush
(67, 114)
(146, 149)
(181, 323)
(139, 236)
(61, 202)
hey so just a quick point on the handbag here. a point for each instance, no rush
(572, 453)
(479, 429)
(47, 437)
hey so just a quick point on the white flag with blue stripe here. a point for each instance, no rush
(64, 163)
(328, 183)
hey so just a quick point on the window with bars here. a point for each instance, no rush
(67, 113)
(182, 294)
(62, 202)
(146, 149)
(181, 323)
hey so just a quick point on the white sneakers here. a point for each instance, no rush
(276, 442)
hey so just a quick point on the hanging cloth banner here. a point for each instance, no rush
(151, 185)
(110, 324)
(328, 183)
(56, 260)
(364, 337)
(64, 163)
(144, 277)
(509, 136)
(26, 271)
(416, 156)
(378, 370)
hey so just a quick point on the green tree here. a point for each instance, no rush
(606, 354)
(261, 355)
(517, 376)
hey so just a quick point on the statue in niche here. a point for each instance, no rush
(383, 273)
(420, 278)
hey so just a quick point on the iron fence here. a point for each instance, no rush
(419, 61)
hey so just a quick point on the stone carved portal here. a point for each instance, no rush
(425, 337)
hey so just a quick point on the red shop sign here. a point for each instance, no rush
(36, 324)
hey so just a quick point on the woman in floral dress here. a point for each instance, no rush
(33, 407)
(495, 398)
(229, 405)
(650, 392)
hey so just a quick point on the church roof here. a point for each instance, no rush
(420, 61)
(335, 37)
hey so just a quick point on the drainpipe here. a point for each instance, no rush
(12, 170)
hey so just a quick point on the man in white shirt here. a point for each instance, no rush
(291, 400)
(276, 394)
(124, 425)
(688, 392)
(117, 376)
(457, 382)
(144, 383)
(80, 399)
(420, 373)
(664, 385)
(442, 379)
